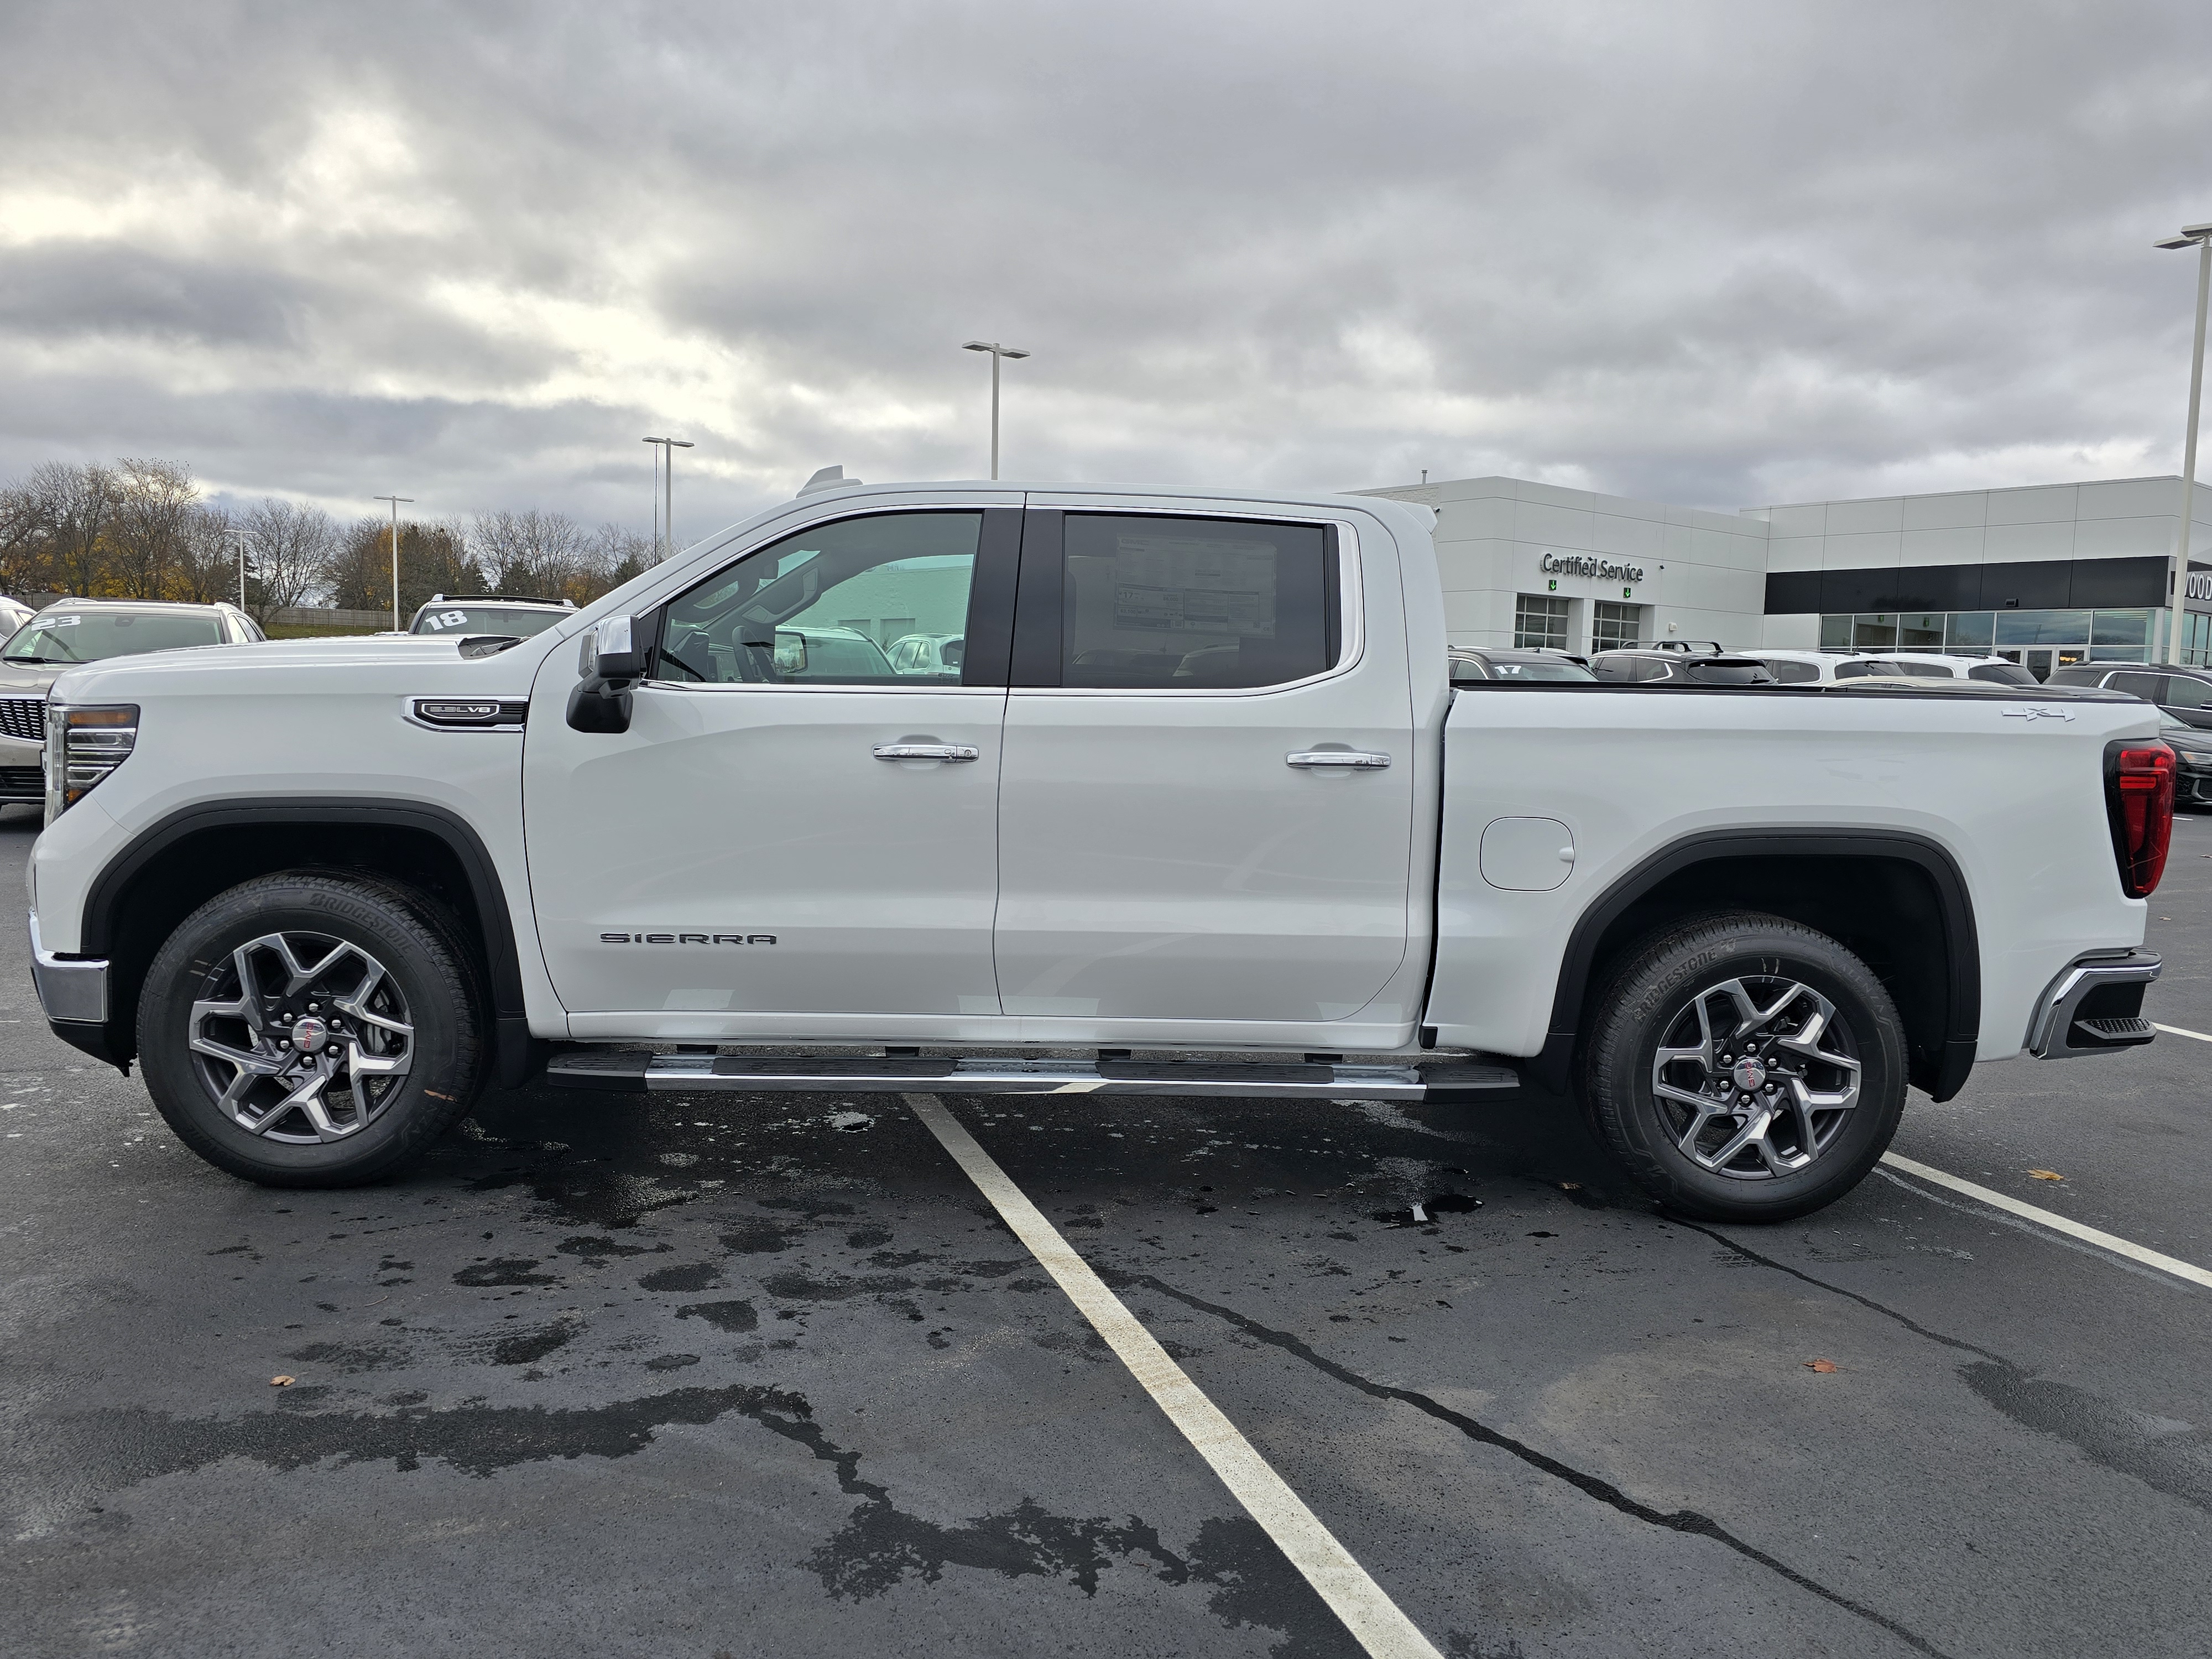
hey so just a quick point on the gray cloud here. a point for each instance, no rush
(1718, 253)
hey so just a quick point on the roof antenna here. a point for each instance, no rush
(829, 477)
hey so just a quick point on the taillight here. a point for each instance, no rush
(2139, 800)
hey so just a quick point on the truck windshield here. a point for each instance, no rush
(522, 620)
(1537, 668)
(96, 635)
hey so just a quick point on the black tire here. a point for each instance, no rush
(428, 987)
(1651, 997)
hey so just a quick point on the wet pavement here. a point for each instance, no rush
(766, 1375)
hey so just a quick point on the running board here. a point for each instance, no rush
(633, 1071)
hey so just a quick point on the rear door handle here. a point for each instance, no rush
(936, 751)
(1362, 760)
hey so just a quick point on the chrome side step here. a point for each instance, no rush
(633, 1071)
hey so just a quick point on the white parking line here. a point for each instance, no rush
(1372, 1617)
(2057, 1224)
(2180, 1031)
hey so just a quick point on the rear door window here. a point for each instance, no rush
(1789, 672)
(1176, 604)
(2183, 692)
(2151, 688)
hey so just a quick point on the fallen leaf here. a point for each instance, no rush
(1571, 1186)
(282, 1382)
(2046, 1174)
(1823, 1366)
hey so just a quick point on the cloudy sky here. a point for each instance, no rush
(1709, 253)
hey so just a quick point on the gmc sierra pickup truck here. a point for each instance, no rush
(1181, 800)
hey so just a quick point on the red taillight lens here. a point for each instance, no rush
(2139, 799)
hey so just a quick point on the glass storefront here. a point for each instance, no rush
(1539, 623)
(2057, 636)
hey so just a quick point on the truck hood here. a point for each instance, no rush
(309, 668)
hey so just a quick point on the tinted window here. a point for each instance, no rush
(1194, 603)
(1788, 673)
(2183, 692)
(1727, 673)
(1613, 668)
(1468, 668)
(818, 607)
(95, 636)
(1861, 669)
(1927, 670)
(485, 619)
(2080, 677)
(2004, 673)
(1653, 668)
(2149, 687)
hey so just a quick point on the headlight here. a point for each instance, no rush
(83, 745)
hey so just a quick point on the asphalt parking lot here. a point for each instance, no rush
(737, 1376)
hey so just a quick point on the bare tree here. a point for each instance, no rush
(290, 548)
(434, 558)
(205, 567)
(531, 552)
(26, 541)
(612, 556)
(77, 505)
(154, 500)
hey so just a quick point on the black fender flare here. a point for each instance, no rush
(518, 1055)
(1554, 1065)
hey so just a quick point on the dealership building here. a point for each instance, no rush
(2043, 575)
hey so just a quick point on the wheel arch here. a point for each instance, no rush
(1905, 909)
(175, 865)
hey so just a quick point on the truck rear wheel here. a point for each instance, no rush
(307, 1029)
(1744, 1067)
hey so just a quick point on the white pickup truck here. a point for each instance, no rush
(1180, 799)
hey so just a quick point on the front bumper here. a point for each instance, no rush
(72, 990)
(2094, 1007)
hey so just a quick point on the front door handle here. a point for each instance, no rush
(936, 751)
(1360, 759)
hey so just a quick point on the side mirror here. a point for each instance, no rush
(612, 650)
(610, 662)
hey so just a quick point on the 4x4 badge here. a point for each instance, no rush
(2040, 714)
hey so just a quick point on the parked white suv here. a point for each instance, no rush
(1202, 783)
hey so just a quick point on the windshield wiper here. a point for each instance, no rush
(50, 662)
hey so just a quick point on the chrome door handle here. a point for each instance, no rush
(937, 751)
(1360, 759)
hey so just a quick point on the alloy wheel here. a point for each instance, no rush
(301, 1038)
(1756, 1077)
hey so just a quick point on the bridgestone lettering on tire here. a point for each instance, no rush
(309, 1029)
(1745, 1068)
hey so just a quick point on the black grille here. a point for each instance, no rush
(24, 719)
(17, 782)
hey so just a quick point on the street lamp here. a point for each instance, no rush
(238, 537)
(668, 448)
(2200, 237)
(997, 351)
(395, 501)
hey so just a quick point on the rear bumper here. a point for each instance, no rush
(2094, 1007)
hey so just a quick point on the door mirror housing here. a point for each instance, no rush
(611, 661)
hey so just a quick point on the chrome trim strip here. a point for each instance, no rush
(68, 990)
(2051, 1031)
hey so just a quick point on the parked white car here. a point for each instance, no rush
(1203, 784)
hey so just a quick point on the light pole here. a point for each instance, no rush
(395, 501)
(238, 537)
(668, 448)
(997, 351)
(2200, 237)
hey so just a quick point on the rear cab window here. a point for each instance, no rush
(1155, 602)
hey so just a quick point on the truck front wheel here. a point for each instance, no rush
(1744, 1067)
(306, 1029)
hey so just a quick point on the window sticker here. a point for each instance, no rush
(1174, 585)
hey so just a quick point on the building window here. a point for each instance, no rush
(2075, 636)
(1613, 625)
(1539, 624)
